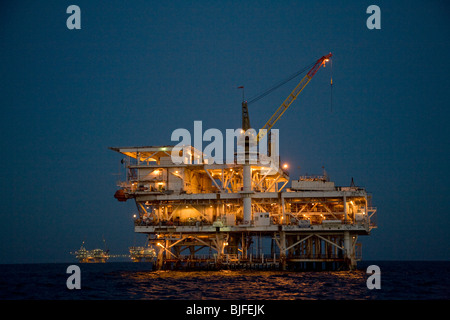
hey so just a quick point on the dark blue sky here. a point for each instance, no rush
(137, 70)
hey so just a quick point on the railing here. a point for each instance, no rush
(203, 257)
(316, 256)
(142, 222)
(175, 223)
(314, 177)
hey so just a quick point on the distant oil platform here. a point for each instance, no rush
(136, 254)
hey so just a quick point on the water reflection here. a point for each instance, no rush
(245, 285)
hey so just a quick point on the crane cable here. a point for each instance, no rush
(331, 84)
(277, 85)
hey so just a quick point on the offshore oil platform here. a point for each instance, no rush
(241, 214)
(136, 254)
(91, 256)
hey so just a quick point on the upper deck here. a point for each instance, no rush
(196, 196)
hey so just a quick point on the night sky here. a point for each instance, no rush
(137, 70)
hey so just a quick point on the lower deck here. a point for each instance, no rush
(250, 248)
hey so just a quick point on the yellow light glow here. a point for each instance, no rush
(285, 166)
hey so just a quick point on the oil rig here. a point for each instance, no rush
(137, 254)
(91, 256)
(241, 214)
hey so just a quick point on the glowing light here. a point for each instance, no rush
(285, 166)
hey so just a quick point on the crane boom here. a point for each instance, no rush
(292, 96)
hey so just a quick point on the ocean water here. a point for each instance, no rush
(400, 280)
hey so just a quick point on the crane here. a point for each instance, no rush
(285, 105)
